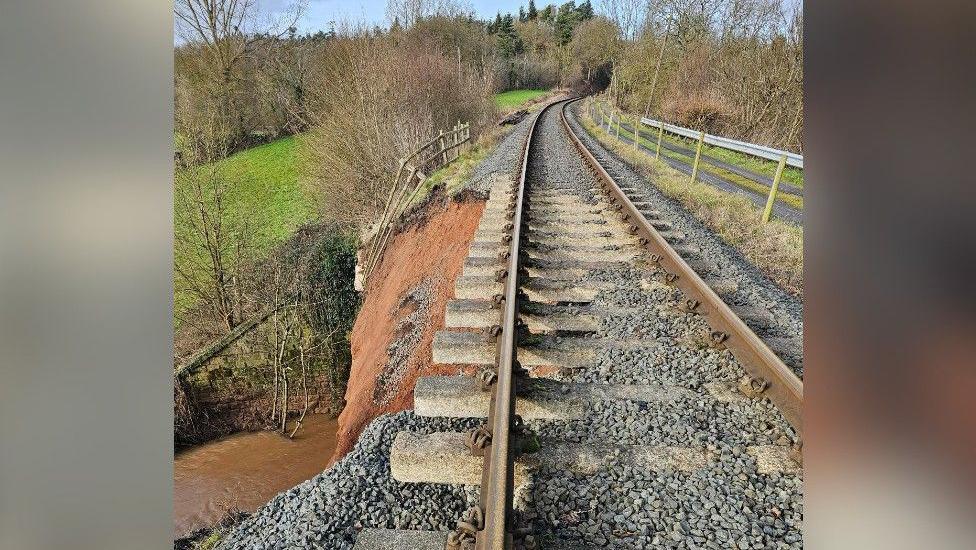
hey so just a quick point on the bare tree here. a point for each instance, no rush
(733, 67)
(209, 243)
(228, 27)
(595, 44)
(226, 32)
(410, 12)
(629, 15)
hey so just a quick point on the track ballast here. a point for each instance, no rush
(637, 426)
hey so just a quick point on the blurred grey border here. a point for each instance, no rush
(890, 256)
(86, 264)
(86, 274)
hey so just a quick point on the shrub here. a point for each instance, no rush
(376, 98)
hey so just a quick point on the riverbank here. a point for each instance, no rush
(241, 472)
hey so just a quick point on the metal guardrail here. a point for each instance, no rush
(772, 185)
(769, 153)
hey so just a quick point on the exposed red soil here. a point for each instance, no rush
(428, 253)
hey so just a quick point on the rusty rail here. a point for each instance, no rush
(768, 375)
(490, 525)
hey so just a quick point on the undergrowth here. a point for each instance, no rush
(775, 248)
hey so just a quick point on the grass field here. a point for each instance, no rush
(262, 194)
(514, 99)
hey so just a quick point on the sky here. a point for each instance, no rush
(320, 12)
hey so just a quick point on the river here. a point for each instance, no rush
(246, 470)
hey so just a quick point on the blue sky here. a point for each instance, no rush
(320, 12)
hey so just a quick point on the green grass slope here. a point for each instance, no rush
(263, 194)
(514, 99)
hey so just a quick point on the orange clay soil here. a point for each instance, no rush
(428, 254)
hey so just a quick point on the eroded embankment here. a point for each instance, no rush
(403, 307)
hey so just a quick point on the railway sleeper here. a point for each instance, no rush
(754, 316)
(414, 457)
(557, 225)
(482, 287)
(622, 255)
(673, 236)
(600, 237)
(553, 205)
(481, 314)
(496, 262)
(537, 398)
(789, 346)
(557, 273)
(444, 458)
(573, 243)
(722, 287)
(687, 251)
(400, 539)
(472, 348)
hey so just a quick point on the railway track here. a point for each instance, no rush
(625, 404)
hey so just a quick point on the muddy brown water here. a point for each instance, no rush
(246, 470)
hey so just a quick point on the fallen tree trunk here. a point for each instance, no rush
(215, 347)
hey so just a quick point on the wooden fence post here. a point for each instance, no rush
(395, 203)
(440, 142)
(456, 140)
(694, 169)
(386, 212)
(772, 190)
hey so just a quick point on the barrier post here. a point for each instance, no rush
(637, 124)
(772, 190)
(660, 135)
(694, 169)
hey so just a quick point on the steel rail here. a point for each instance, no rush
(497, 487)
(770, 376)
